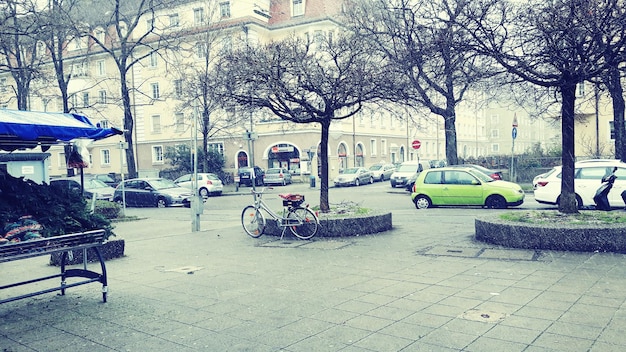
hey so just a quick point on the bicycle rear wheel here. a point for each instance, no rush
(308, 226)
(253, 221)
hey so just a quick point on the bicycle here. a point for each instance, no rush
(301, 220)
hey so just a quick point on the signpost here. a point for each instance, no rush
(416, 144)
(514, 135)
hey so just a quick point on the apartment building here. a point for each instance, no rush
(162, 119)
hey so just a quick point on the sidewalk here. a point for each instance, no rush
(404, 290)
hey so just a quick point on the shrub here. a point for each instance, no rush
(107, 209)
(60, 211)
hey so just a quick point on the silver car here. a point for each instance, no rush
(208, 184)
(354, 176)
(277, 176)
(382, 172)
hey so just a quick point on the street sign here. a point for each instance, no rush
(416, 144)
(514, 132)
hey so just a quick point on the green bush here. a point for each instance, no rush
(107, 209)
(60, 211)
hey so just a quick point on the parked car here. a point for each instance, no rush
(382, 172)
(495, 174)
(277, 176)
(91, 186)
(152, 192)
(107, 179)
(405, 175)
(208, 184)
(354, 176)
(245, 176)
(587, 179)
(464, 186)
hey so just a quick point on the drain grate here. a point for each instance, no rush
(486, 253)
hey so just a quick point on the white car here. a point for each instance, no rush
(208, 184)
(587, 180)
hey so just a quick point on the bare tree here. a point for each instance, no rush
(18, 47)
(555, 44)
(322, 81)
(428, 49)
(197, 81)
(127, 44)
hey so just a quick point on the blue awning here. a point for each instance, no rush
(29, 129)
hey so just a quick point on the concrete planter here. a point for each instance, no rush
(109, 250)
(562, 237)
(343, 227)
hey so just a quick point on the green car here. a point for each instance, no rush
(463, 186)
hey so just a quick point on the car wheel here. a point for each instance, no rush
(204, 193)
(356, 182)
(284, 183)
(382, 178)
(119, 202)
(371, 179)
(495, 202)
(422, 202)
(161, 203)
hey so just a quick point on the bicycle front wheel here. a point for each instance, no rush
(253, 221)
(308, 223)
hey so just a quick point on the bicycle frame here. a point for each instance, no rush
(282, 221)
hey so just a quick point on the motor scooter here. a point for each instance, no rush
(602, 194)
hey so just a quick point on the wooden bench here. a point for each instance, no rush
(64, 244)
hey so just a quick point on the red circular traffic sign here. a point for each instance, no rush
(416, 144)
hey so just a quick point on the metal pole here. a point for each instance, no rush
(196, 202)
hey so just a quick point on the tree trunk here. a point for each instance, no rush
(450, 133)
(617, 95)
(128, 127)
(323, 158)
(206, 119)
(567, 203)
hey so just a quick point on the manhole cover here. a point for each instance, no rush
(185, 269)
(508, 254)
(484, 316)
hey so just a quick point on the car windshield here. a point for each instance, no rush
(375, 167)
(90, 184)
(352, 170)
(162, 183)
(408, 168)
(273, 171)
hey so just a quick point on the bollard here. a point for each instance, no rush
(312, 181)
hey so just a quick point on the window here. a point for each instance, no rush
(433, 178)
(61, 163)
(198, 16)
(201, 50)
(154, 59)
(495, 133)
(86, 99)
(373, 146)
(612, 129)
(174, 20)
(227, 44)
(105, 157)
(495, 119)
(383, 147)
(580, 92)
(155, 90)
(73, 100)
(495, 148)
(216, 148)
(79, 70)
(157, 154)
(179, 122)
(225, 9)
(156, 123)
(178, 88)
(104, 123)
(3, 85)
(101, 68)
(102, 96)
(100, 35)
(297, 8)
(318, 37)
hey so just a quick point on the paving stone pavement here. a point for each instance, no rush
(404, 290)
